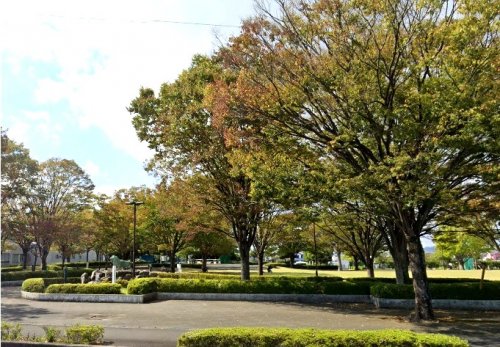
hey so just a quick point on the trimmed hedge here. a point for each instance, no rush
(85, 334)
(200, 275)
(452, 291)
(276, 286)
(11, 269)
(271, 337)
(93, 288)
(38, 285)
(33, 285)
(22, 275)
(372, 280)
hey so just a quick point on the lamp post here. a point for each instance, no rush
(135, 204)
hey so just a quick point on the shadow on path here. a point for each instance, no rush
(18, 312)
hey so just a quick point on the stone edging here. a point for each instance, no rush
(110, 298)
(493, 305)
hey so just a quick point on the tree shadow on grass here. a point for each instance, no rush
(18, 312)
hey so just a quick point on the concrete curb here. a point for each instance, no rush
(491, 305)
(110, 298)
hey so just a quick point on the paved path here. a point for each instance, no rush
(161, 323)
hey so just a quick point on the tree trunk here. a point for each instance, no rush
(171, 254)
(339, 257)
(204, 267)
(292, 259)
(245, 260)
(369, 268)
(396, 242)
(423, 303)
(260, 259)
(43, 256)
(356, 263)
(62, 261)
(25, 258)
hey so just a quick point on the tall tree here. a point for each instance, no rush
(18, 182)
(62, 189)
(186, 127)
(400, 95)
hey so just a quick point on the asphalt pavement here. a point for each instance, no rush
(160, 323)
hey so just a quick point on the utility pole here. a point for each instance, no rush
(135, 204)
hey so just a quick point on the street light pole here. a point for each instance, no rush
(135, 204)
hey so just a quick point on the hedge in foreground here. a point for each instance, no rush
(270, 337)
(275, 286)
(454, 291)
(91, 288)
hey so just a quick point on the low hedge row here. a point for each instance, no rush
(270, 337)
(161, 274)
(278, 286)
(38, 285)
(22, 275)
(11, 269)
(452, 291)
(89, 288)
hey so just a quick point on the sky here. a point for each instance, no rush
(69, 70)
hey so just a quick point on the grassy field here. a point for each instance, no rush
(492, 275)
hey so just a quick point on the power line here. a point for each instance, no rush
(149, 21)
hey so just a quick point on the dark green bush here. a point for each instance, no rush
(454, 280)
(456, 291)
(11, 269)
(270, 337)
(22, 275)
(372, 280)
(142, 286)
(33, 285)
(90, 288)
(270, 286)
(85, 334)
(193, 275)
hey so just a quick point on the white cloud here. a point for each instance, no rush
(91, 168)
(104, 52)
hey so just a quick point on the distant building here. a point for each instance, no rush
(13, 255)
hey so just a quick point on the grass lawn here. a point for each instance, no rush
(492, 275)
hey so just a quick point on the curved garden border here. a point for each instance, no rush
(493, 305)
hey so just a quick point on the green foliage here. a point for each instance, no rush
(33, 285)
(90, 288)
(123, 283)
(85, 334)
(11, 269)
(271, 337)
(193, 275)
(11, 332)
(266, 286)
(76, 334)
(454, 291)
(52, 334)
(372, 280)
(22, 275)
(142, 286)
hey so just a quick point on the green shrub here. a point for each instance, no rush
(90, 288)
(22, 275)
(270, 337)
(52, 334)
(142, 285)
(372, 280)
(455, 291)
(123, 283)
(271, 286)
(33, 285)
(161, 274)
(85, 334)
(11, 269)
(11, 332)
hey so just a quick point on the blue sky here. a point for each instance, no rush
(69, 69)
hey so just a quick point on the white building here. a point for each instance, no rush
(13, 255)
